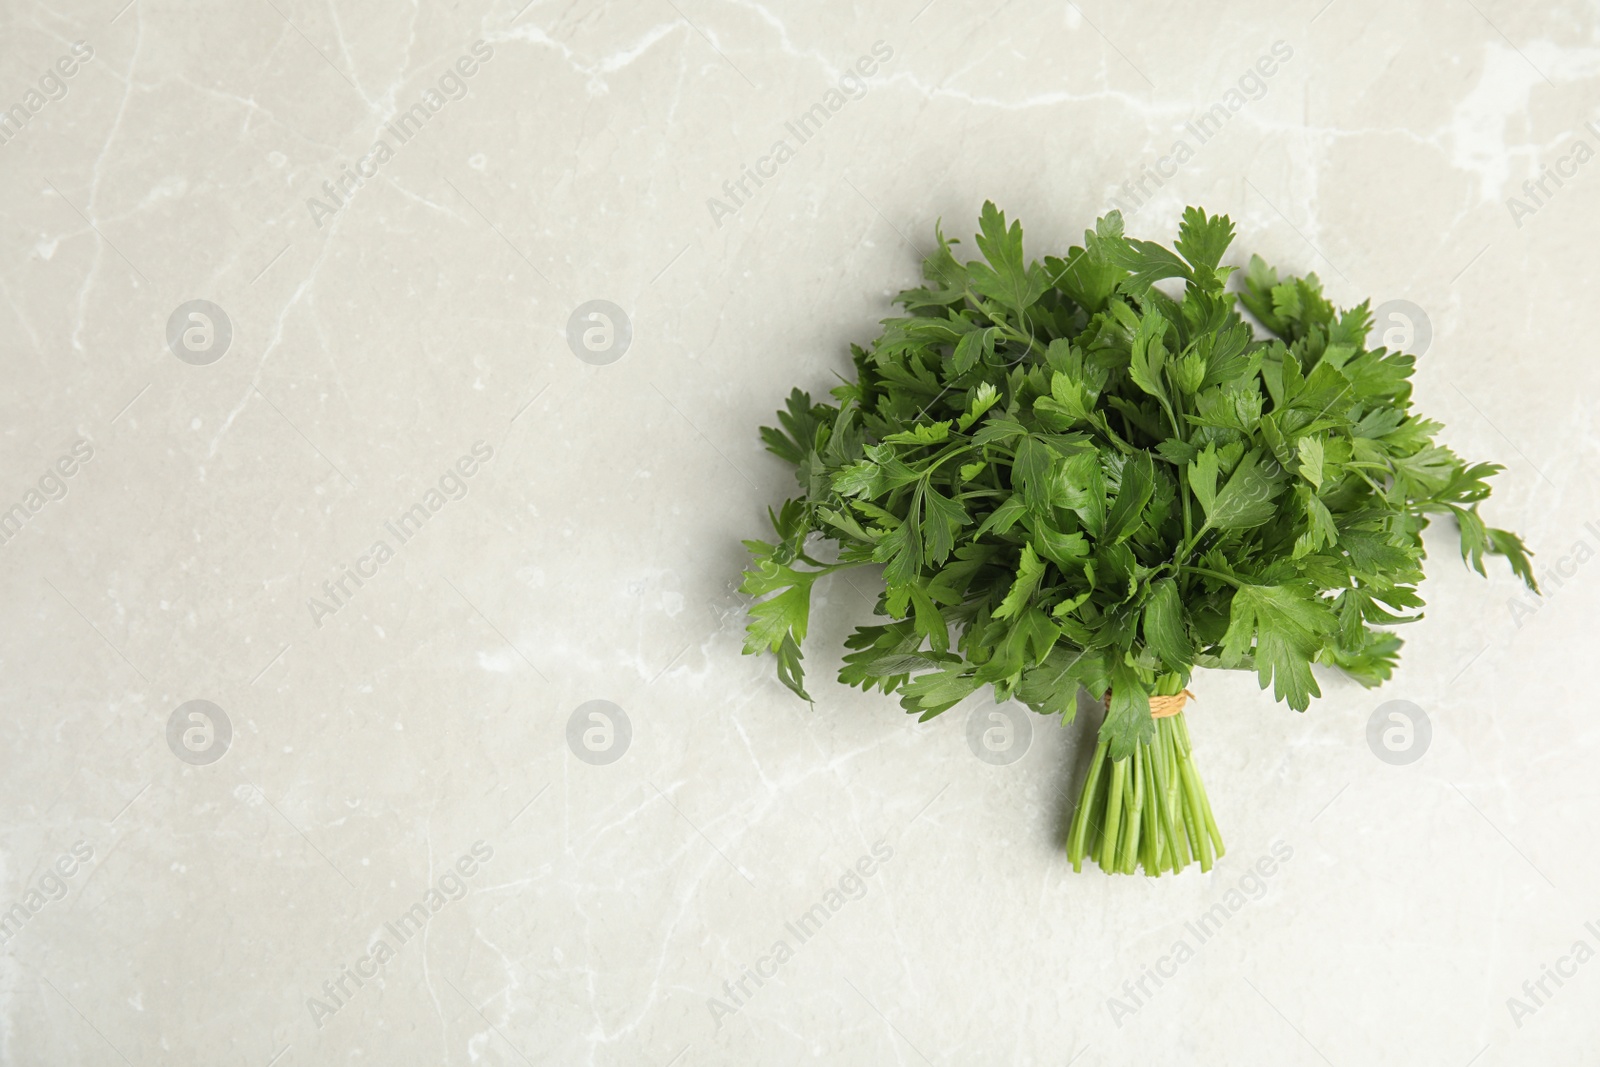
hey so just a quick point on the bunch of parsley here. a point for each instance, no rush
(1073, 476)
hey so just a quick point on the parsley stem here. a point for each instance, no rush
(1148, 809)
(1183, 479)
(828, 568)
(1113, 819)
(1078, 836)
(1011, 331)
(1182, 554)
(1212, 574)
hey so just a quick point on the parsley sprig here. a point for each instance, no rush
(1072, 475)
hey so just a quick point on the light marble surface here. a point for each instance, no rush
(377, 741)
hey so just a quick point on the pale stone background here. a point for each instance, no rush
(592, 556)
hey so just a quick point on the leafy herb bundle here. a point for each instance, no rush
(1072, 478)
